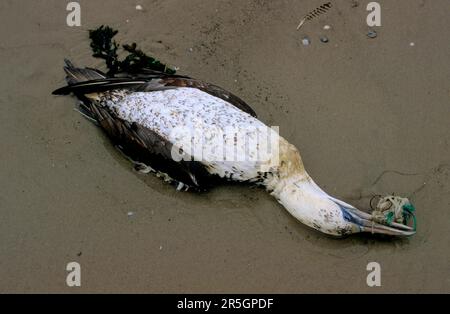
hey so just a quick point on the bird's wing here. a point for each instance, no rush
(143, 145)
(148, 82)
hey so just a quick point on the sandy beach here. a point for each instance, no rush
(369, 116)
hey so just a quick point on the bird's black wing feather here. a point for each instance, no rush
(146, 81)
(145, 146)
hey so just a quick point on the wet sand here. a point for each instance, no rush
(370, 116)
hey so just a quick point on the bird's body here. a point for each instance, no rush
(202, 116)
(198, 134)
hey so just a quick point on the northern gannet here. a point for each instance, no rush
(175, 126)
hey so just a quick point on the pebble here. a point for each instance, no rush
(306, 41)
(139, 7)
(326, 27)
(372, 34)
(324, 39)
(412, 44)
(129, 214)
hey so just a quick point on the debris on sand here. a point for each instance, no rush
(315, 13)
(105, 47)
(372, 34)
(306, 41)
(324, 39)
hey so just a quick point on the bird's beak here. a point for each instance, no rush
(366, 223)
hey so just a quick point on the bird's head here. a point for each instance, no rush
(312, 206)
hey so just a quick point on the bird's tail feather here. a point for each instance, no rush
(77, 75)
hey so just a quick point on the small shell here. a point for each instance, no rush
(372, 34)
(139, 7)
(327, 27)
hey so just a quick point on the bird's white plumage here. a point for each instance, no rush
(191, 118)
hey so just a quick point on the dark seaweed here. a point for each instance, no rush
(105, 47)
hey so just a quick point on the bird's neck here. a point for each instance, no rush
(290, 169)
(295, 189)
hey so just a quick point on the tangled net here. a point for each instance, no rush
(394, 210)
